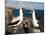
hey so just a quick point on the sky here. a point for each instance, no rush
(28, 5)
(30, 0)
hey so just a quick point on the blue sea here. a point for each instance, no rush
(26, 13)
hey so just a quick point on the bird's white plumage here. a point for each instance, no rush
(20, 17)
(34, 19)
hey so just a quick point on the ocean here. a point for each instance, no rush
(26, 13)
